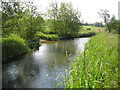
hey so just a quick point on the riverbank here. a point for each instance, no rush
(83, 32)
(40, 68)
(97, 67)
(14, 45)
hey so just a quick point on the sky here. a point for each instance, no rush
(88, 8)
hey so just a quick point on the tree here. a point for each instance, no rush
(30, 23)
(20, 20)
(112, 25)
(53, 15)
(69, 19)
(64, 20)
(11, 11)
(104, 13)
(98, 24)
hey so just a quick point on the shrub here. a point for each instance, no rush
(51, 37)
(12, 46)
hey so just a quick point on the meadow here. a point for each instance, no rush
(93, 28)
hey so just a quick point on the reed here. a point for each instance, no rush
(97, 66)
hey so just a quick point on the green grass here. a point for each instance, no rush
(97, 66)
(92, 28)
(87, 33)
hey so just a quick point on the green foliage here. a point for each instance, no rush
(52, 37)
(97, 67)
(112, 25)
(10, 12)
(22, 22)
(98, 24)
(64, 20)
(12, 46)
(86, 34)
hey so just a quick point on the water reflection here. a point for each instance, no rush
(39, 68)
(19, 73)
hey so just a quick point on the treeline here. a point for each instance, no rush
(96, 24)
(111, 24)
(23, 26)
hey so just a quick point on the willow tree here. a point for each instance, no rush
(65, 20)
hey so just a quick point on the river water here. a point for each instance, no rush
(40, 68)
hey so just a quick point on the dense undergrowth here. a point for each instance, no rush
(12, 46)
(51, 37)
(82, 33)
(97, 67)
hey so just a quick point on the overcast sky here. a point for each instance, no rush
(88, 8)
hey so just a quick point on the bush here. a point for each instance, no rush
(12, 46)
(52, 37)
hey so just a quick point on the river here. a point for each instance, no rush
(40, 68)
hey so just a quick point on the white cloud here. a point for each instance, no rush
(88, 8)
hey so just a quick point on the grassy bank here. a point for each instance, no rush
(82, 33)
(88, 33)
(92, 28)
(97, 67)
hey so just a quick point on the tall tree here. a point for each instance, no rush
(65, 19)
(53, 15)
(10, 12)
(21, 20)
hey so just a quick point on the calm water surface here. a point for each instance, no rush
(40, 68)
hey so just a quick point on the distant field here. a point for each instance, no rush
(93, 29)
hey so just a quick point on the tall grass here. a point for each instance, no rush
(97, 66)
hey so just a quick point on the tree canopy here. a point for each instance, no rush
(65, 20)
